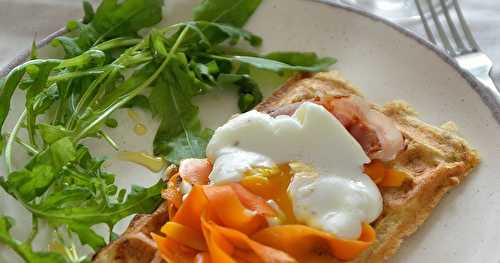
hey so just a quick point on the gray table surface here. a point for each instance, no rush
(21, 20)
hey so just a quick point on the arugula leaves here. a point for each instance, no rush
(303, 59)
(231, 12)
(139, 101)
(112, 18)
(24, 248)
(109, 66)
(313, 65)
(116, 18)
(248, 90)
(83, 195)
(180, 134)
(13, 79)
(30, 184)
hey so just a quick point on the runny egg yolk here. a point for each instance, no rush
(272, 184)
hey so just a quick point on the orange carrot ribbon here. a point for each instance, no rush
(227, 224)
(384, 176)
(303, 242)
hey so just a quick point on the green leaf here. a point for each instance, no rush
(111, 123)
(115, 18)
(184, 76)
(190, 144)
(65, 197)
(112, 18)
(248, 90)
(24, 249)
(2, 143)
(280, 67)
(222, 32)
(304, 59)
(34, 49)
(30, 184)
(139, 77)
(139, 200)
(88, 58)
(12, 81)
(88, 12)
(41, 171)
(57, 155)
(51, 134)
(62, 152)
(70, 46)
(157, 42)
(6, 224)
(36, 88)
(232, 12)
(139, 101)
(87, 236)
(118, 42)
(180, 134)
(45, 99)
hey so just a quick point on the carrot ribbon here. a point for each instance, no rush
(384, 176)
(228, 224)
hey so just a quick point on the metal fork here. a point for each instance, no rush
(464, 49)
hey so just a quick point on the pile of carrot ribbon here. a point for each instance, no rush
(228, 223)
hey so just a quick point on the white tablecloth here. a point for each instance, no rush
(21, 20)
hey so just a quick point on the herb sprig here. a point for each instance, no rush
(107, 66)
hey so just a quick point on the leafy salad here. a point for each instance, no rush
(114, 59)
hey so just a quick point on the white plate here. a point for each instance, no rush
(388, 63)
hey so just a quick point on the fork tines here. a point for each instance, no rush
(456, 37)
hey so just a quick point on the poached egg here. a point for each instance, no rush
(328, 189)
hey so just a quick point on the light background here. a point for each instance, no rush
(21, 20)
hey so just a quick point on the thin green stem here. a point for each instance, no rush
(34, 230)
(17, 247)
(73, 75)
(217, 57)
(10, 141)
(102, 184)
(110, 236)
(108, 82)
(85, 97)
(62, 104)
(31, 127)
(109, 140)
(27, 146)
(117, 42)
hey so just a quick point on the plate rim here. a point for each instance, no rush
(491, 98)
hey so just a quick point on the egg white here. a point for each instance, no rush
(335, 196)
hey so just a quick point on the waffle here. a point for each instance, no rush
(435, 160)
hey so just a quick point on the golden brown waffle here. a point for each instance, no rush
(435, 159)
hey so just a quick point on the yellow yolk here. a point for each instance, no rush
(272, 184)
